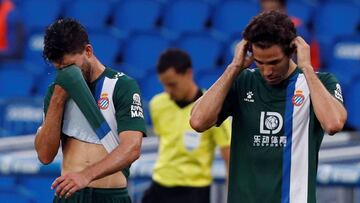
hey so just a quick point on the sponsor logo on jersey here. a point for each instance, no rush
(249, 97)
(338, 93)
(269, 141)
(271, 124)
(103, 102)
(136, 109)
(298, 98)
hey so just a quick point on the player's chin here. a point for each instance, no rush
(273, 81)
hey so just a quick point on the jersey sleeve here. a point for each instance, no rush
(332, 85)
(227, 108)
(47, 98)
(128, 106)
(222, 134)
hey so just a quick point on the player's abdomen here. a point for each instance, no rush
(77, 155)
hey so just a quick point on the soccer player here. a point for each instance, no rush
(280, 111)
(182, 171)
(89, 173)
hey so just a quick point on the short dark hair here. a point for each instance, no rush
(174, 58)
(65, 36)
(271, 28)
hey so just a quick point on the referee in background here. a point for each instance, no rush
(182, 171)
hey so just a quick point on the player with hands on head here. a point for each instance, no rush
(280, 111)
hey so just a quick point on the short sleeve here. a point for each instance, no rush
(47, 97)
(332, 85)
(227, 108)
(128, 106)
(222, 134)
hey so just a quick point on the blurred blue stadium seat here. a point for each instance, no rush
(232, 16)
(39, 13)
(13, 192)
(230, 48)
(12, 196)
(44, 82)
(34, 48)
(106, 47)
(137, 15)
(186, 15)
(205, 50)
(6, 181)
(15, 83)
(334, 19)
(23, 65)
(20, 116)
(136, 73)
(42, 193)
(206, 78)
(300, 10)
(93, 14)
(337, 1)
(150, 86)
(345, 59)
(147, 115)
(142, 50)
(352, 101)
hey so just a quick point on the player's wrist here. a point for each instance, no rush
(235, 68)
(307, 68)
(88, 174)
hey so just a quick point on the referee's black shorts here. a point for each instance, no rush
(157, 193)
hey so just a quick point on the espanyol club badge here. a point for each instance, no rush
(298, 98)
(103, 101)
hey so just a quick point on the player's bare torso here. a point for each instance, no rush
(77, 155)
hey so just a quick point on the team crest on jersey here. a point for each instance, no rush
(103, 102)
(298, 98)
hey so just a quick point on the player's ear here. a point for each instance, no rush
(189, 71)
(89, 50)
(292, 47)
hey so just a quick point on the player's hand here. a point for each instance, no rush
(68, 184)
(241, 59)
(60, 94)
(303, 53)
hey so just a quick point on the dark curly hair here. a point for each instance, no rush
(271, 28)
(65, 36)
(174, 58)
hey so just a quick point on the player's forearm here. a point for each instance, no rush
(47, 140)
(206, 110)
(330, 112)
(121, 157)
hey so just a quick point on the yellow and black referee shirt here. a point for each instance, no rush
(185, 156)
